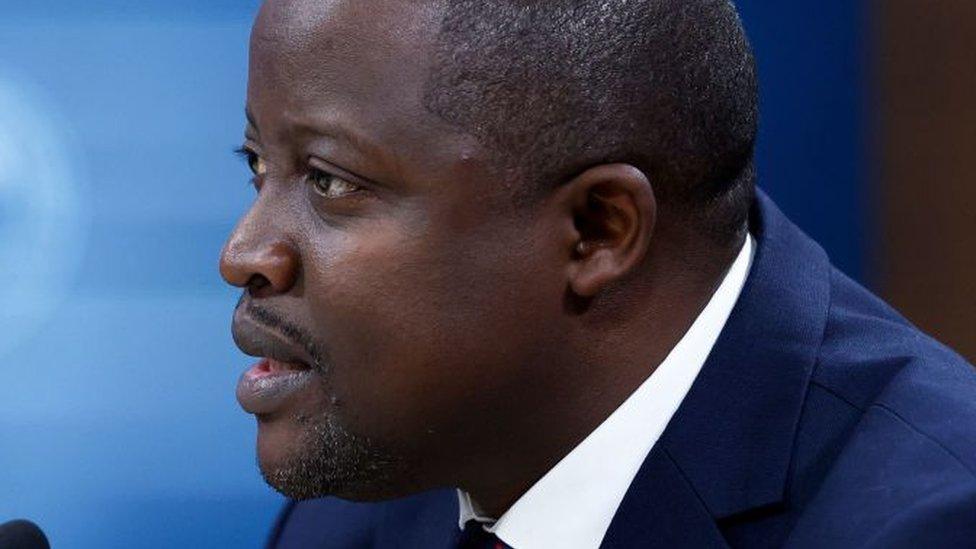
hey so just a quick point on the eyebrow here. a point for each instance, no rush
(250, 119)
(331, 130)
(338, 132)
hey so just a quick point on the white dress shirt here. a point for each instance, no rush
(571, 507)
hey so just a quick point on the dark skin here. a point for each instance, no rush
(477, 341)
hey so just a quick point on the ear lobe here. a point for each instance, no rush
(614, 212)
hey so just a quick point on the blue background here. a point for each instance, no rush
(118, 423)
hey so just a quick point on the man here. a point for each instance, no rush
(512, 285)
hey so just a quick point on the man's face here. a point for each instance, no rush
(408, 306)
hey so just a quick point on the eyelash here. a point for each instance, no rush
(250, 158)
(315, 175)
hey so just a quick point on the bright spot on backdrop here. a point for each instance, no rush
(118, 423)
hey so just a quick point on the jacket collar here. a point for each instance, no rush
(733, 435)
(730, 443)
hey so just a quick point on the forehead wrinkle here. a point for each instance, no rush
(329, 123)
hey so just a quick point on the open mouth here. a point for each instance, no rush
(270, 367)
(268, 385)
(284, 367)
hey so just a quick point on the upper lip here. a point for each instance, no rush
(259, 340)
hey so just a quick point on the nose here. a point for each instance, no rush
(263, 265)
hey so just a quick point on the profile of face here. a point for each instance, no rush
(395, 294)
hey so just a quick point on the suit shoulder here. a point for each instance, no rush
(886, 450)
(875, 361)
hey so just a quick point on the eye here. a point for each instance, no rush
(330, 186)
(254, 162)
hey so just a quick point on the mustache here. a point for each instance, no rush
(290, 331)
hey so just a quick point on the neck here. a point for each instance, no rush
(609, 356)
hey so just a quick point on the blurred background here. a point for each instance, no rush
(118, 423)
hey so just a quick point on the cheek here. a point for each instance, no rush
(416, 327)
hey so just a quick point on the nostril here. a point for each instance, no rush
(257, 282)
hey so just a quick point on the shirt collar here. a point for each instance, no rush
(573, 504)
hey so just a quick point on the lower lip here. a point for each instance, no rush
(264, 389)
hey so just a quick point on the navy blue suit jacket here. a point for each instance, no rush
(822, 418)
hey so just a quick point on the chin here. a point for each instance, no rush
(294, 480)
(308, 458)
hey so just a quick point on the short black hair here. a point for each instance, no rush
(553, 87)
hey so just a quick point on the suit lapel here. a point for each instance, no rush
(662, 510)
(728, 448)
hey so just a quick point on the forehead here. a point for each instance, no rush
(356, 71)
(375, 52)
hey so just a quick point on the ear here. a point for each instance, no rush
(613, 212)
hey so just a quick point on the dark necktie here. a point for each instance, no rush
(474, 536)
